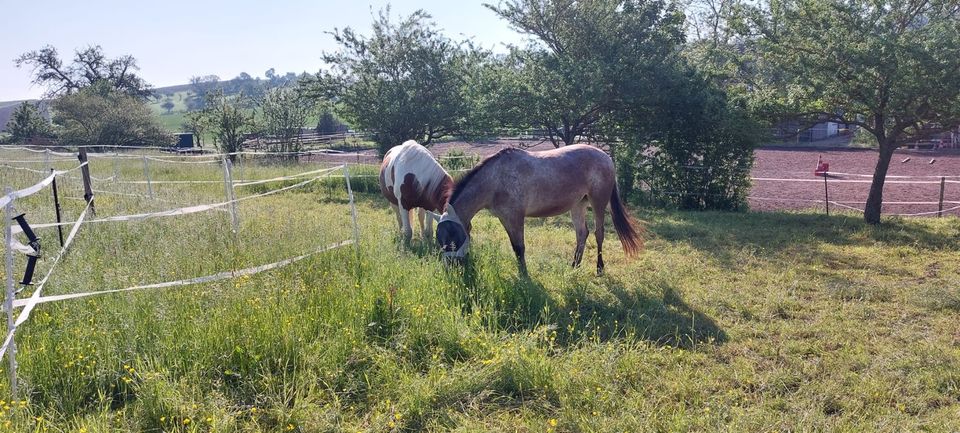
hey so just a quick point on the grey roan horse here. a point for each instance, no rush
(514, 184)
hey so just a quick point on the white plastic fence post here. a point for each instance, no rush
(146, 173)
(231, 196)
(10, 292)
(353, 208)
(46, 159)
(116, 170)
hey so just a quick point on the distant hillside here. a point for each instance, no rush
(184, 97)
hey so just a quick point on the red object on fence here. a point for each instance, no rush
(822, 167)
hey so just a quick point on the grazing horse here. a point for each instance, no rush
(514, 184)
(411, 178)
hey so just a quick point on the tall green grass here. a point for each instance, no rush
(732, 322)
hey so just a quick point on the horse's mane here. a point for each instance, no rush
(467, 178)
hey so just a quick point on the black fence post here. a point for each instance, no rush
(56, 207)
(826, 194)
(940, 207)
(87, 187)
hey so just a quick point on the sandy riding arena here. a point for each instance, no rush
(912, 187)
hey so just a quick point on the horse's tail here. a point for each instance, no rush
(629, 232)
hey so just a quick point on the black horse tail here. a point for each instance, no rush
(629, 232)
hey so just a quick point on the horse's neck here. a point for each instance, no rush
(471, 200)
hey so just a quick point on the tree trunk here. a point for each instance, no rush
(871, 213)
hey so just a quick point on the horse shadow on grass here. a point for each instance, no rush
(603, 310)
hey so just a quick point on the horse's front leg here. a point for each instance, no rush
(514, 226)
(405, 225)
(426, 224)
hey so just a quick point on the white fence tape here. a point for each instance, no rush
(190, 281)
(252, 182)
(290, 177)
(182, 210)
(29, 303)
(24, 169)
(892, 176)
(173, 161)
(780, 179)
(30, 190)
(40, 161)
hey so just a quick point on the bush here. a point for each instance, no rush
(696, 153)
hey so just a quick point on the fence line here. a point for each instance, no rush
(30, 190)
(32, 301)
(189, 281)
(37, 296)
(184, 210)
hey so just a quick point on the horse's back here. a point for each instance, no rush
(551, 182)
(411, 177)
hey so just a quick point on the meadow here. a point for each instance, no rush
(785, 321)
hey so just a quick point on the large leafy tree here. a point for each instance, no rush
(402, 82)
(890, 67)
(586, 60)
(27, 122)
(89, 66)
(102, 115)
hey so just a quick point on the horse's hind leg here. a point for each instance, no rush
(579, 216)
(599, 210)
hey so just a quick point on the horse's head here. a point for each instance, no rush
(452, 237)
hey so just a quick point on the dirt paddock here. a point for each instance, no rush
(784, 180)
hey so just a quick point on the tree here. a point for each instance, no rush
(586, 59)
(90, 66)
(890, 67)
(201, 85)
(229, 121)
(284, 113)
(403, 82)
(198, 124)
(328, 124)
(26, 122)
(167, 105)
(102, 115)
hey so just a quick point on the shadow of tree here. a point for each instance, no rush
(725, 236)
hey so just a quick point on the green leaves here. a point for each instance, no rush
(101, 115)
(26, 122)
(879, 65)
(405, 81)
(586, 60)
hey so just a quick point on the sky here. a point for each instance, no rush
(174, 40)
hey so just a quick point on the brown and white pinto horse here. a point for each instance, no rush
(411, 178)
(514, 184)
